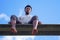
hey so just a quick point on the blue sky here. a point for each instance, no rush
(48, 11)
(29, 38)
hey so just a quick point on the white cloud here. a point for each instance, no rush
(4, 16)
(18, 37)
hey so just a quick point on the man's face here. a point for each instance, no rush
(27, 10)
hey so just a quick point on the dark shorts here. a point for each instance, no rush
(13, 17)
(31, 21)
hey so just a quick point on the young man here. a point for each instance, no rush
(26, 19)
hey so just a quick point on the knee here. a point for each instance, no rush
(13, 17)
(35, 17)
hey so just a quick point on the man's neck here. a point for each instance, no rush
(26, 14)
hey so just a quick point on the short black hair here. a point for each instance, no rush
(28, 6)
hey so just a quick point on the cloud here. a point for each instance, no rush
(18, 38)
(4, 16)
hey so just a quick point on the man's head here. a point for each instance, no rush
(28, 9)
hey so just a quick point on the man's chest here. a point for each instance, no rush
(25, 19)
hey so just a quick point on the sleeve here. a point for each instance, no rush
(19, 19)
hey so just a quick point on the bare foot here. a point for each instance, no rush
(13, 30)
(34, 31)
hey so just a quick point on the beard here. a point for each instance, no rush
(27, 13)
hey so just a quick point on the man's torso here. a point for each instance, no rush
(25, 19)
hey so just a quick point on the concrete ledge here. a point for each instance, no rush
(44, 29)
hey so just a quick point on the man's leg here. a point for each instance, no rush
(13, 20)
(35, 23)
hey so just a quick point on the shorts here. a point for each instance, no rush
(13, 17)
